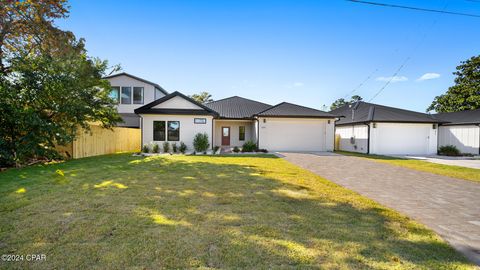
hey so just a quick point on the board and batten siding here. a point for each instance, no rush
(403, 139)
(188, 129)
(353, 138)
(296, 134)
(465, 137)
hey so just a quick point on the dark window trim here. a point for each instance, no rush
(164, 131)
(203, 121)
(240, 133)
(118, 88)
(133, 94)
(168, 133)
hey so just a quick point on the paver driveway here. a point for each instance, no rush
(450, 207)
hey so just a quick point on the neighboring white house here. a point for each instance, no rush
(233, 121)
(462, 130)
(376, 129)
(132, 92)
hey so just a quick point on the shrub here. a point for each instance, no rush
(236, 149)
(249, 146)
(166, 147)
(200, 142)
(182, 148)
(215, 149)
(174, 147)
(155, 148)
(449, 150)
(262, 150)
(145, 149)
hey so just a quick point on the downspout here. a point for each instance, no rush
(478, 139)
(213, 132)
(258, 132)
(368, 137)
(141, 133)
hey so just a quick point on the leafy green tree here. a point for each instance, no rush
(50, 88)
(465, 94)
(341, 102)
(202, 97)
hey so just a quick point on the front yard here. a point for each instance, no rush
(420, 165)
(120, 211)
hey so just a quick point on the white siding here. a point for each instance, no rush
(403, 139)
(187, 128)
(148, 92)
(177, 103)
(359, 133)
(296, 134)
(465, 137)
(234, 132)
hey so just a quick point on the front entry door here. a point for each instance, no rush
(225, 135)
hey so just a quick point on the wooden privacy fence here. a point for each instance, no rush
(102, 141)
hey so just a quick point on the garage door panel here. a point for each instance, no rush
(408, 139)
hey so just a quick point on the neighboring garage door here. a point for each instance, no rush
(402, 139)
(293, 134)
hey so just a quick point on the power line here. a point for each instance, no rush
(361, 84)
(415, 8)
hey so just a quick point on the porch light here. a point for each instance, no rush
(374, 125)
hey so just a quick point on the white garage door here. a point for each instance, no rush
(293, 134)
(401, 139)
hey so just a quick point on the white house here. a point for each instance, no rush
(376, 129)
(233, 121)
(132, 92)
(462, 130)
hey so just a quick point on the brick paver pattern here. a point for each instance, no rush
(450, 207)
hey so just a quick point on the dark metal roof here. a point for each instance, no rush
(361, 112)
(129, 120)
(148, 108)
(138, 79)
(471, 117)
(286, 109)
(237, 107)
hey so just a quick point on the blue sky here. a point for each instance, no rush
(304, 52)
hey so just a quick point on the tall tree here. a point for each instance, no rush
(202, 97)
(49, 86)
(465, 94)
(341, 102)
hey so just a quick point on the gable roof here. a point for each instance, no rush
(148, 108)
(138, 79)
(237, 107)
(460, 118)
(286, 109)
(361, 112)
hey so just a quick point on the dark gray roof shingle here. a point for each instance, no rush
(460, 118)
(361, 112)
(129, 120)
(286, 109)
(237, 107)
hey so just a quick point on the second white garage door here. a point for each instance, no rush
(296, 134)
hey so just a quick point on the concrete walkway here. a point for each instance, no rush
(463, 162)
(450, 207)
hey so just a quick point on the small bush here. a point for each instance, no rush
(236, 149)
(449, 150)
(215, 149)
(145, 148)
(262, 150)
(249, 146)
(200, 142)
(182, 148)
(155, 148)
(166, 147)
(174, 147)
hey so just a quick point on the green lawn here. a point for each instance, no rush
(119, 211)
(446, 170)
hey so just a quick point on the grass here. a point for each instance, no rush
(254, 212)
(420, 165)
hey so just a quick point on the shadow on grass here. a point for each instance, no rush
(204, 211)
(370, 156)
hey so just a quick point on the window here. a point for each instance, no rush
(126, 95)
(137, 95)
(115, 93)
(200, 120)
(241, 134)
(159, 130)
(173, 130)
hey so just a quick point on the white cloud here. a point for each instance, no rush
(393, 79)
(428, 76)
(298, 84)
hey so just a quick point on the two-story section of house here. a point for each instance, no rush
(132, 92)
